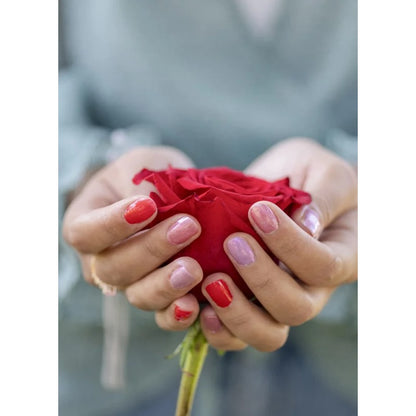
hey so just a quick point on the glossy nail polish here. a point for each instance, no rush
(240, 251)
(220, 293)
(310, 219)
(182, 230)
(181, 278)
(212, 323)
(139, 211)
(181, 314)
(264, 218)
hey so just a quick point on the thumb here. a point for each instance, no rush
(333, 192)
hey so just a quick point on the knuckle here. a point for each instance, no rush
(272, 344)
(131, 296)
(332, 270)
(135, 298)
(72, 236)
(155, 249)
(238, 320)
(328, 273)
(110, 227)
(161, 322)
(302, 313)
(109, 268)
(164, 295)
(276, 341)
(292, 246)
(262, 283)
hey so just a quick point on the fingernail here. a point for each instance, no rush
(240, 251)
(181, 314)
(139, 211)
(219, 293)
(310, 219)
(182, 230)
(181, 278)
(264, 218)
(212, 323)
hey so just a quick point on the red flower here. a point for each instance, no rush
(219, 198)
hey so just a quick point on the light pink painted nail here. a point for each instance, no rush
(240, 251)
(182, 230)
(181, 278)
(310, 219)
(264, 218)
(212, 323)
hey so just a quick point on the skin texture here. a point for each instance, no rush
(318, 246)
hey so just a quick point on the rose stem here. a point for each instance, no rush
(192, 363)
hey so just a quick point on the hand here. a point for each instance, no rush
(107, 225)
(296, 291)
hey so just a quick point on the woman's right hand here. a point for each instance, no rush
(107, 224)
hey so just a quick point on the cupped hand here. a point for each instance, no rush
(317, 249)
(107, 224)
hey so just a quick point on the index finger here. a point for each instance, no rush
(328, 262)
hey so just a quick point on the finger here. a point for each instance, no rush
(341, 237)
(95, 230)
(136, 257)
(312, 261)
(160, 288)
(217, 335)
(288, 301)
(243, 319)
(333, 188)
(179, 315)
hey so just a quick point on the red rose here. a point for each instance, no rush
(219, 198)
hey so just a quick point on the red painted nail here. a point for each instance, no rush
(139, 211)
(180, 314)
(219, 293)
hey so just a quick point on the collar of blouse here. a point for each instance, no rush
(260, 15)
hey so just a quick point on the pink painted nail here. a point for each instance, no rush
(182, 230)
(212, 323)
(310, 219)
(264, 218)
(181, 278)
(240, 251)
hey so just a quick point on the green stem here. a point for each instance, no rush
(194, 352)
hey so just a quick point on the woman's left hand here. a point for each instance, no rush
(318, 249)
